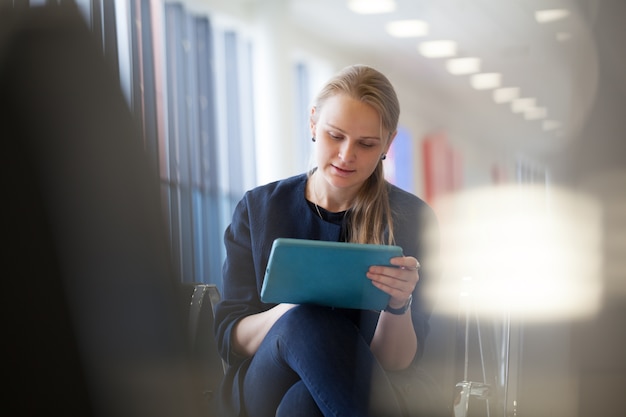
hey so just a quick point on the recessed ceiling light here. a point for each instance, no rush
(437, 49)
(372, 6)
(535, 113)
(462, 66)
(486, 81)
(407, 28)
(505, 95)
(521, 105)
(550, 15)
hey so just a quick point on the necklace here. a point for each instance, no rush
(318, 211)
(316, 199)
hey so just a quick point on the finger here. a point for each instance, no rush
(406, 262)
(398, 293)
(391, 273)
(393, 278)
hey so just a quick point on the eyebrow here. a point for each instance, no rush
(361, 137)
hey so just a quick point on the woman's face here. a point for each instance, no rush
(350, 141)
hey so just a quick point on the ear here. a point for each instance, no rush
(312, 122)
(390, 141)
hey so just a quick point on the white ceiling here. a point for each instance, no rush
(562, 76)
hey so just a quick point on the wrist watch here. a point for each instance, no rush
(401, 310)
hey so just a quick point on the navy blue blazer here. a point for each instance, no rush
(280, 209)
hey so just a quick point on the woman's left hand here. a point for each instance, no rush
(398, 281)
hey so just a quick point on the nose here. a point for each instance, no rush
(347, 151)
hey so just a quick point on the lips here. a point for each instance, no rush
(343, 171)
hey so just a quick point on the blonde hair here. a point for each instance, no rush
(370, 216)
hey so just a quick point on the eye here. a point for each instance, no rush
(368, 144)
(335, 136)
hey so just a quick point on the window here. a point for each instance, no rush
(190, 87)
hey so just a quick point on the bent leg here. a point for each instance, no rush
(324, 349)
(298, 402)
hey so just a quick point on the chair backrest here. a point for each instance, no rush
(208, 366)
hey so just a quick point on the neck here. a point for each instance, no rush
(321, 194)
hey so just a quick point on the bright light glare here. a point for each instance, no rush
(462, 66)
(536, 113)
(531, 251)
(372, 6)
(522, 105)
(505, 95)
(407, 28)
(486, 81)
(437, 49)
(551, 15)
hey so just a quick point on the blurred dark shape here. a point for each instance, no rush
(92, 323)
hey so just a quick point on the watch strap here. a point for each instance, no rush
(401, 310)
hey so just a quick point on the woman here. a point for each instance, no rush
(288, 360)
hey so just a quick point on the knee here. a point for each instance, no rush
(298, 317)
(316, 321)
(304, 314)
(298, 401)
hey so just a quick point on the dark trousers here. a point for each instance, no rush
(314, 362)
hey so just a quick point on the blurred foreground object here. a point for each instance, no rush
(93, 325)
(531, 251)
(514, 256)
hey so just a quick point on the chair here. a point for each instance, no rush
(207, 365)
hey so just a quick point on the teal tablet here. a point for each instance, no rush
(303, 271)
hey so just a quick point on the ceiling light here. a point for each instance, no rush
(407, 28)
(372, 6)
(549, 125)
(437, 49)
(486, 81)
(505, 95)
(545, 16)
(461, 66)
(535, 113)
(521, 105)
